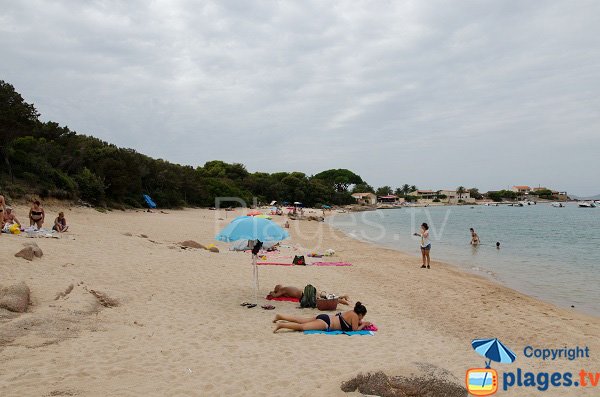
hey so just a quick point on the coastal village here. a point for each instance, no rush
(426, 197)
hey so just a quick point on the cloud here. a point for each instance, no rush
(428, 93)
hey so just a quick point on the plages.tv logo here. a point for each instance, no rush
(484, 381)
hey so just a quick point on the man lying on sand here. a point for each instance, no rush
(293, 292)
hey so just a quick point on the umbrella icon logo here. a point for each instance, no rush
(484, 381)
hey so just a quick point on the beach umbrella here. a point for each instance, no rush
(256, 230)
(493, 350)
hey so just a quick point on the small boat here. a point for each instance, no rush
(587, 204)
(558, 205)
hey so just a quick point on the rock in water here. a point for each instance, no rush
(15, 297)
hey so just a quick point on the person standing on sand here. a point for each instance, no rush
(36, 215)
(474, 237)
(425, 245)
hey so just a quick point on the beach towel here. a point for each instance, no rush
(332, 264)
(274, 264)
(282, 298)
(349, 333)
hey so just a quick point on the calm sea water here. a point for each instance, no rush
(546, 252)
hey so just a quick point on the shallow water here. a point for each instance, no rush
(546, 252)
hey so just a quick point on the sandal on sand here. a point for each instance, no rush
(268, 307)
(245, 304)
(250, 306)
(423, 267)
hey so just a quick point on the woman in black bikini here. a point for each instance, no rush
(36, 215)
(350, 320)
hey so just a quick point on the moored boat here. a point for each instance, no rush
(587, 204)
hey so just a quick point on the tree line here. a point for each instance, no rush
(49, 160)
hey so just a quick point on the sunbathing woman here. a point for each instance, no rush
(36, 215)
(350, 320)
(293, 292)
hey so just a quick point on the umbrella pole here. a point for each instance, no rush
(255, 275)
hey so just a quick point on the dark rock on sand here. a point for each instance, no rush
(191, 244)
(30, 251)
(15, 298)
(379, 384)
(26, 253)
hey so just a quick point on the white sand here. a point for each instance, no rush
(179, 329)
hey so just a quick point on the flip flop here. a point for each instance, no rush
(250, 306)
(245, 304)
(268, 307)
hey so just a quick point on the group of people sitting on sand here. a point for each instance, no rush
(350, 320)
(37, 216)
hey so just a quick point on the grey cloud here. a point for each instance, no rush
(435, 93)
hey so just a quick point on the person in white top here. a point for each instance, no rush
(425, 245)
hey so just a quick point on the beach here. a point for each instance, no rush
(174, 324)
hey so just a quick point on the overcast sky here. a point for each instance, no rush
(433, 93)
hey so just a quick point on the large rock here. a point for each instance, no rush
(30, 251)
(15, 298)
(191, 244)
(26, 253)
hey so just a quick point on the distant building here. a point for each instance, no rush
(389, 199)
(521, 189)
(453, 197)
(424, 194)
(365, 198)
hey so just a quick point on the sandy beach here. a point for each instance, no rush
(177, 327)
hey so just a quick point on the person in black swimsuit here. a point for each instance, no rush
(350, 320)
(36, 215)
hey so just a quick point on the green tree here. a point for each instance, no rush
(383, 191)
(17, 119)
(341, 178)
(474, 192)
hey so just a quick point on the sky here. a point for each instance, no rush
(437, 94)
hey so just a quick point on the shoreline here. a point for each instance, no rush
(179, 327)
(487, 275)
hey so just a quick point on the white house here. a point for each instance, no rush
(365, 198)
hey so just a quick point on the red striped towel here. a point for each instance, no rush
(282, 298)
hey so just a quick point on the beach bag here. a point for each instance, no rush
(309, 297)
(299, 260)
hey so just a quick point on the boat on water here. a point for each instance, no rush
(558, 205)
(587, 204)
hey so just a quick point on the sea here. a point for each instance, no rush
(546, 252)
